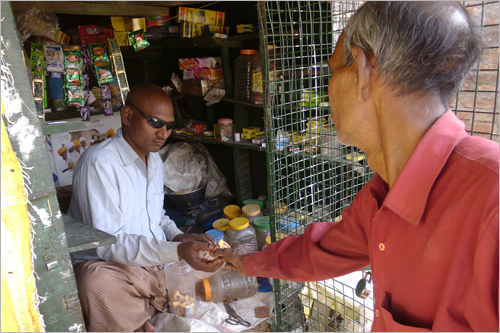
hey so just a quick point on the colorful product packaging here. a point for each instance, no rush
(203, 74)
(138, 40)
(108, 107)
(60, 37)
(197, 87)
(191, 30)
(54, 57)
(100, 57)
(247, 28)
(139, 23)
(200, 16)
(217, 35)
(158, 20)
(202, 62)
(85, 113)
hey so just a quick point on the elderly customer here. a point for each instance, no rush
(427, 222)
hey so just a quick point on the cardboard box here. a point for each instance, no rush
(203, 74)
(120, 23)
(197, 87)
(191, 30)
(158, 20)
(201, 16)
(202, 62)
(138, 24)
(90, 34)
(60, 37)
(122, 38)
(157, 32)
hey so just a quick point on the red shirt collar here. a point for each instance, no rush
(408, 196)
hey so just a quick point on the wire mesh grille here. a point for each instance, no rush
(476, 103)
(313, 178)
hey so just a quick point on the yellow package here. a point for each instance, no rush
(200, 16)
(251, 129)
(191, 30)
(139, 23)
(223, 245)
(247, 136)
(120, 23)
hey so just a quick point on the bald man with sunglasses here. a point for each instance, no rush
(118, 188)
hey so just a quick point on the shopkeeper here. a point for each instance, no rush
(118, 188)
(427, 222)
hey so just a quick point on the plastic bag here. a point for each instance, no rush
(188, 165)
(37, 23)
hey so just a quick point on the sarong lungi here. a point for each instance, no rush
(116, 297)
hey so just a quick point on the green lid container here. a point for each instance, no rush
(262, 223)
(259, 203)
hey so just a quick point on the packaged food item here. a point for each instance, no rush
(138, 40)
(158, 20)
(37, 47)
(85, 113)
(54, 58)
(87, 63)
(114, 46)
(118, 61)
(181, 288)
(201, 62)
(251, 129)
(108, 107)
(74, 96)
(60, 37)
(103, 74)
(191, 30)
(217, 35)
(197, 87)
(106, 91)
(121, 23)
(200, 16)
(39, 108)
(139, 23)
(203, 74)
(38, 88)
(247, 28)
(177, 82)
(36, 63)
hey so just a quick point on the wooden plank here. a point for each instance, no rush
(61, 126)
(235, 144)
(104, 8)
(242, 175)
(184, 43)
(81, 236)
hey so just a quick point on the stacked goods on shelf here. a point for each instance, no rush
(37, 70)
(90, 34)
(200, 74)
(73, 83)
(200, 22)
(157, 26)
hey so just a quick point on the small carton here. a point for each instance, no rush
(122, 38)
(203, 62)
(158, 20)
(197, 87)
(203, 74)
(200, 16)
(60, 37)
(251, 129)
(191, 30)
(139, 23)
(120, 23)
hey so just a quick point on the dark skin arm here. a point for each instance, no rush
(189, 247)
(234, 260)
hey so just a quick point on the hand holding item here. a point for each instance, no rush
(234, 259)
(191, 245)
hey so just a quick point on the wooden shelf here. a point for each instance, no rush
(81, 236)
(185, 43)
(235, 144)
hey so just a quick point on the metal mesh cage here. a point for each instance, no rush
(313, 177)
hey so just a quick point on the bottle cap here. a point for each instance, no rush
(262, 223)
(257, 202)
(221, 224)
(247, 51)
(239, 223)
(208, 291)
(279, 236)
(225, 121)
(250, 210)
(232, 211)
(280, 207)
(216, 233)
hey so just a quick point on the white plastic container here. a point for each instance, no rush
(229, 285)
(241, 232)
(181, 289)
(251, 212)
(262, 230)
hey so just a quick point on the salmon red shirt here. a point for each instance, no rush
(431, 240)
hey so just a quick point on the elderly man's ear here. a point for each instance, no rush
(365, 70)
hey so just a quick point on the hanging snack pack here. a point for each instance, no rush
(116, 55)
(73, 82)
(101, 63)
(54, 58)
(138, 40)
(37, 70)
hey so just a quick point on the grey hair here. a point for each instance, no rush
(424, 47)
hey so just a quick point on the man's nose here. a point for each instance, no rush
(164, 133)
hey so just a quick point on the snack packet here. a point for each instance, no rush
(75, 96)
(103, 74)
(85, 113)
(37, 47)
(36, 62)
(106, 91)
(54, 58)
(73, 77)
(108, 107)
(72, 59)
(138, 40)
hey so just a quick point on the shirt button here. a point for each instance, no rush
(381, 247)
(376, 313)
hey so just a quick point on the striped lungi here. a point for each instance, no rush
(116, 297)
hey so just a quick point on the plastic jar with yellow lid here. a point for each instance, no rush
(280, 210)
(232, 212)
(221, 224)
(262, 230)
(241, 232)
(251, 212)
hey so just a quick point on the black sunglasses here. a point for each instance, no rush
(156, 122)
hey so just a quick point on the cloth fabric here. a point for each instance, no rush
(126, 310)
(114, 191)
(431, 239)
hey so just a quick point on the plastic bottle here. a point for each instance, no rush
(243, 75)
(262, 231)
(241, 232)
(256, 95)
(224, 129)
(251, 212)
(229, 285)
(181, 289)
(216, 234)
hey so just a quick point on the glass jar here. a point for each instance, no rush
(251, 212)
(262, 231)
(181, 289)
(229, 285)
(221, 224)
(224, 129)
(243, 75)
(232, 212)
(256, 94)
(241, 232)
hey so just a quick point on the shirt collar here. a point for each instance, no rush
(408, 196)
(127, 154)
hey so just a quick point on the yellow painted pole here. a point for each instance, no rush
(19, 313)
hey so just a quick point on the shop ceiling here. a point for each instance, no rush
(104, 8)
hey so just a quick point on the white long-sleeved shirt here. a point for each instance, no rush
(114, 191)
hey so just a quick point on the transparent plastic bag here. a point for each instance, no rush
(36, 22)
